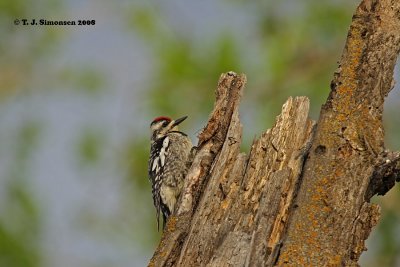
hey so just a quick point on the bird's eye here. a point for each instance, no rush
(165, 123)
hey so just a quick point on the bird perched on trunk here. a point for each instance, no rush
(169, 153)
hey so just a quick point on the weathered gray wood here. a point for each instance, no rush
(301, 196)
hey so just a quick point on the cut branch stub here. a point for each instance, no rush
(228, 95)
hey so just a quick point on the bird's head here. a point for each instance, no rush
(161, 126)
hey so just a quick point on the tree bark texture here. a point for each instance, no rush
(301, 196)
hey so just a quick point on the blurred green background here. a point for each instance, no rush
(76, 103)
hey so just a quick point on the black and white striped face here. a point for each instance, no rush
(162, 125)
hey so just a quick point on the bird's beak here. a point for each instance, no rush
(178, 121)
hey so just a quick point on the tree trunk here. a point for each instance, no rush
(301, 196)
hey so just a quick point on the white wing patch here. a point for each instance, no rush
(163, 151)
(159, 161)
(153, 167)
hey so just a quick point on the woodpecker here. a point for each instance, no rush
(169, 153)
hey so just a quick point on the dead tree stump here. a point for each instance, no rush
(301, 196)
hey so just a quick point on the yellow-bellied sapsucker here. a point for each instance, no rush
(169, 154)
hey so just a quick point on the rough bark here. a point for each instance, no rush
(301, 196)
(335, 217)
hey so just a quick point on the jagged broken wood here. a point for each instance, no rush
(301, 196)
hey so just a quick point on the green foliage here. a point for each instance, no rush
(145, 22)
(89, 147)
(12, 8)
(19, 229)
(22, 47)
(300, 50)
(183, 69)
(20, 223)
(83, 78)
(135, 160)
(388, 229)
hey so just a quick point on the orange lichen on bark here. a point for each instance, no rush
(346, 90)
(171, 225)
